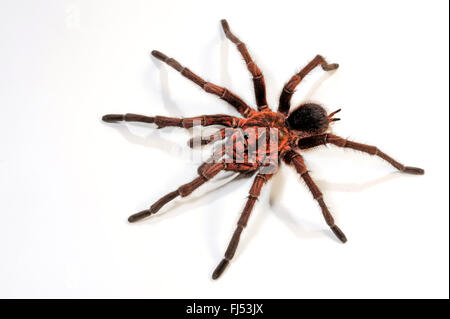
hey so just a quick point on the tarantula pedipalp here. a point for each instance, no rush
(305, 127)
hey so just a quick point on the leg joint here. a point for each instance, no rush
(247, 112)
(287, 90)
(318, 197)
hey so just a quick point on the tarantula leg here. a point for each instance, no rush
(289, 87)
(184, 190)
(258, 78)
(254, 192)
(221, 92)
(296, 160)
(155, 207)
(163, 121)
(372, 150)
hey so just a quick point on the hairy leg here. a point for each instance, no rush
(223, 93)
(254, 192)
(296, 160)
(163, 121)
(258, 78)
(288, 90)
(184, 190)
(372, 150)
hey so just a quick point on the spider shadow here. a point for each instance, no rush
(224, 59)
(313, 89)
(301, 227)
(358, 187)
(152, 139)
(174, 208)
(166, 95)
(286, 215)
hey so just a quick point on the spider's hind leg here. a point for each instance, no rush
(254, 192)
(296, 160)
(205, 174)
(221, 92)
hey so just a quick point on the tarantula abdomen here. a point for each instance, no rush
(309, 117)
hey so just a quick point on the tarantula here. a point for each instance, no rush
(304, 127)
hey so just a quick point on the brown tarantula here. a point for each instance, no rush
(283, 132)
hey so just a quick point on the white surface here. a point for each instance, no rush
(68, 181)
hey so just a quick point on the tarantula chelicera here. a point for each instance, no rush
(282, 132)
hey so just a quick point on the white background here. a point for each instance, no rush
(69, 181)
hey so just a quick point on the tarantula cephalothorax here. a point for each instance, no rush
(305, 127)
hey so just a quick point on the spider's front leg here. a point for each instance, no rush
(221, 92)
(289, 87)
(254, 192)
(296, 160)
(323, 139)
